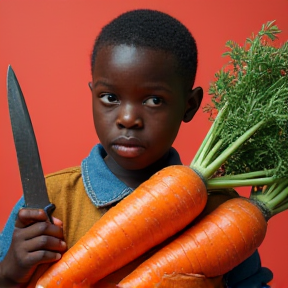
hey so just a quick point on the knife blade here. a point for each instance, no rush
(29, 162)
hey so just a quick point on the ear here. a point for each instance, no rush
(194, 100)
(90, 85)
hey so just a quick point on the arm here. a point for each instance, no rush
(249, 274)
(34, 241)
(6, 234)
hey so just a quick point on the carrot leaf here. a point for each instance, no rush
(247, 143)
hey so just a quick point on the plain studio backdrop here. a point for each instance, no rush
(48, 43)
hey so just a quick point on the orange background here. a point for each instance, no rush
(48, 44)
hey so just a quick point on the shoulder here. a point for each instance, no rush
(64, 173)
(65, 184)
(68, 176)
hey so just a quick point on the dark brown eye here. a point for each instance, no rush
(153, 101)
(109, 99)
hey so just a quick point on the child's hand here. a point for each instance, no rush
(35, 240)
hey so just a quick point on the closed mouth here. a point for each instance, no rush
(127, 142)
(128, 146)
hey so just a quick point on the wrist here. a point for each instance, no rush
(6, 282)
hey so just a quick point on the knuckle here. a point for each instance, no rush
(17, 232)
(41, 255)
(43, 241)
(34, 258)
(42, 227)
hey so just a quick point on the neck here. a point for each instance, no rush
(133, 178)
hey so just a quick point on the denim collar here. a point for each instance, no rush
(101, 185)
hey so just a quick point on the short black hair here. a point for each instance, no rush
(151, 29)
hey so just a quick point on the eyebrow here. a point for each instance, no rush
(150, 86)
(103, 83)
(158, 87)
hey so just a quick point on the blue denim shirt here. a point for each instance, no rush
(104, 188)
(101, 185)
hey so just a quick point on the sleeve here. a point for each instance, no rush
(249, 274)
(6, 234)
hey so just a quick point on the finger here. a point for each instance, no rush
(27, 216)
(40, 257)
(42, 228)
(47, 243)
(57, 222)
(24, 235)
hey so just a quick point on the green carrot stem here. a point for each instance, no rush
(205, 146)
(248, 175)
(216, 184)
(281, 196)
(210, 170)
(275, 191)
(282, 203)
(212, 153)
(270, 189)
(274, 196)
(280, 209)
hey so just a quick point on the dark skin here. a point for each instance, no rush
(139, 102)
(35, 241)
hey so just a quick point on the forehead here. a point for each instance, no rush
(128, 59)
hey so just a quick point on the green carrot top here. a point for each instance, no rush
(248, 141)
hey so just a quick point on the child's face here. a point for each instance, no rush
(139, 102)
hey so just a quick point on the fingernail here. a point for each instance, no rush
(58, 256)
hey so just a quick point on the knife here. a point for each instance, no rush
(30, 168)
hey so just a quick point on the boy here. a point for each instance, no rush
(143, 69)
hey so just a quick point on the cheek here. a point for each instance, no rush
(173, 125)
(101, 123)
(165, 129)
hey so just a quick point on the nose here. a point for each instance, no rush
(129, 117)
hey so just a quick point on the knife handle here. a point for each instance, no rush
(49, 210)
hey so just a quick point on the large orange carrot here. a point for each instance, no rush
(156, 210)
(219, 242)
